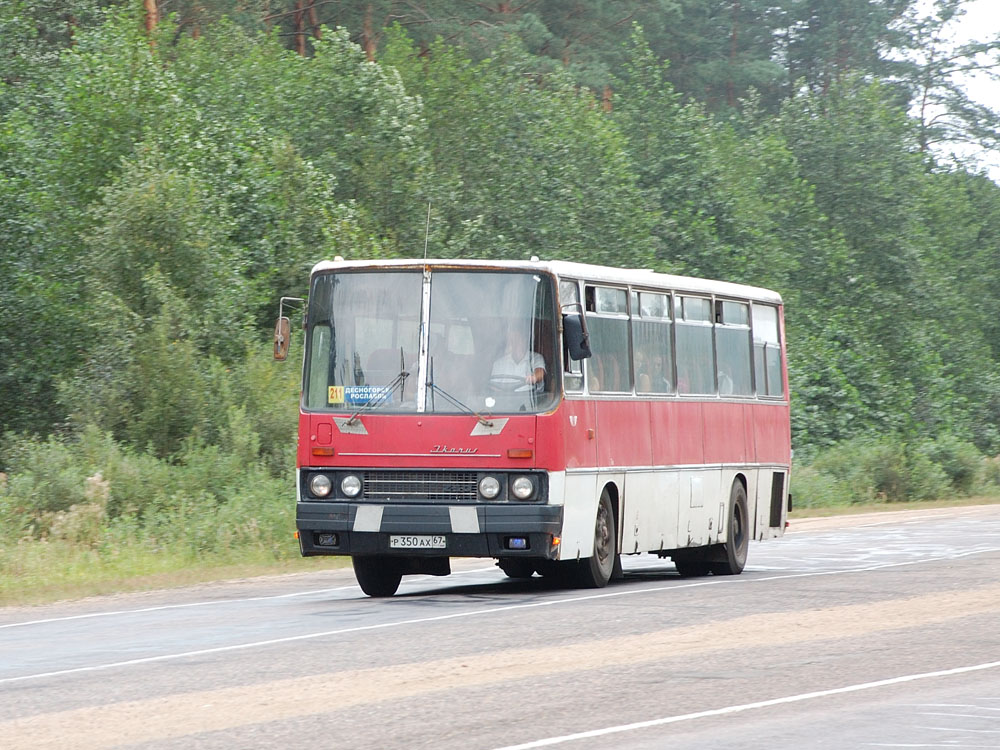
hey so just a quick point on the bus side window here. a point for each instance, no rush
(651, 349)
(608, 370)
(767, 351)
(695, 353)
(569, 302)
(732, 343)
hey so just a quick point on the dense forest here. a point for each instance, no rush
(170, 168)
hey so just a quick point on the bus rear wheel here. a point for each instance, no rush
(730, 558)
(595, 571)
(378, 576)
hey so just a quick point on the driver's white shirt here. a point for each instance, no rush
(507, 367)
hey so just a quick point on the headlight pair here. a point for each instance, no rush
(521, 487)
(321, 485)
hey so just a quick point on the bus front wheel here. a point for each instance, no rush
(595, 571)
(377, 575)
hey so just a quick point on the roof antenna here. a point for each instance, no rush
(427, 229)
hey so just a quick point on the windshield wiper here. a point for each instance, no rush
(385, 391)
(454, 401)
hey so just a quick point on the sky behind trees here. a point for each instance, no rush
(981, 22)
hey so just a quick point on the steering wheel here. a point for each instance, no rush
(509, 384)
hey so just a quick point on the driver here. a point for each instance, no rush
(518, 362)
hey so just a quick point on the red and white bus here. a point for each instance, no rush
(550, 415)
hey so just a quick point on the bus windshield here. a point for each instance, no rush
(458, 341)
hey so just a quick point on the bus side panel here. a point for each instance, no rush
(650, 513)
(623, 434)
(677, 433)
(762, 495)
(579, 514)
(699, 506)
(772, 428)
(574, 428)
(749, 435)
(571, 434)
(725, 441)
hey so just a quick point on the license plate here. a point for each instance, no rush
(416, 542)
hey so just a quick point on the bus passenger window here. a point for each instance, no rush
(695, 355)
(651, 350)
(732, 342)
(767, 351)
(608, 370)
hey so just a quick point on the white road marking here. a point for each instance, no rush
(949, 713)
(212, 602)
(960, 729)
(953, 705)
(549, 741)
(951, 745)
(721, 581)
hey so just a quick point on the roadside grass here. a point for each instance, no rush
(42, 572)
(848, 509)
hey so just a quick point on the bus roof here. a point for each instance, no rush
(565, 269)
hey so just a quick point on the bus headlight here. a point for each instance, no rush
(489, 487)
(522, 487)
(350, 485)
(320, 485)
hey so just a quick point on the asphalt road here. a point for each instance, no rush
(864, 632)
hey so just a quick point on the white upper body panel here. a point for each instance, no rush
(566, 269)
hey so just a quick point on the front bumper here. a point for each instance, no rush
(474, 530)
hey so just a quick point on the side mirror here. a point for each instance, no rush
(576, 337)
(282, 336)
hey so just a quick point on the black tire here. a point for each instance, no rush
(517, 567)
(551, 569)
(595, 571)
(692, 563)
(730, 558)
(377, 575)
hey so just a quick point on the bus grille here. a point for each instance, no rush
(421, 485)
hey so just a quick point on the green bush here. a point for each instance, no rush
(961, 462)
(870, 470)
(926, 480)
(92, 492)
(267, 392)
(990, 475)
(812, 488)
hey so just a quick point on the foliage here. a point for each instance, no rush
(96, 493)
(868, 470)
(522, 165)
(159, 193)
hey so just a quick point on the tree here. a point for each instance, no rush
(828, 41)
(862, 155)
(522, 163)
(349, 119)
(948, 116)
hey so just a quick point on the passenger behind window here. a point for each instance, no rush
(643, 382)
(725, 384)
